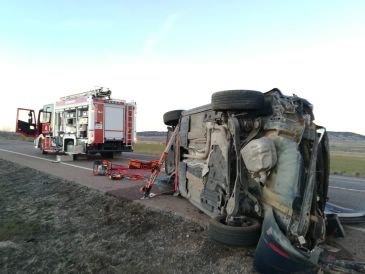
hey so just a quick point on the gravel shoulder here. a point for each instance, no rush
(49, 225)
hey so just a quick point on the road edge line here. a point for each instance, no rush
(48, 160)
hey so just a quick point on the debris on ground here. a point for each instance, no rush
(135, 170)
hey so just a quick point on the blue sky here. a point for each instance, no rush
(198, 29)
(179, 53)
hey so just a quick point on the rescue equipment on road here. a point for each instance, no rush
(118, 172)
(137, 164)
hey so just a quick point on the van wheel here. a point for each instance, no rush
(237, 100)
(246, 233)
(171, 118)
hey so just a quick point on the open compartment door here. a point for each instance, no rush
(26, 122)
(44, 122)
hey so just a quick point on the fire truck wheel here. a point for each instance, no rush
(67, 143)
(107, 155)
(41, 146)
(117, 154)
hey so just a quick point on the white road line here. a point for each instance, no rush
(344, 179)
(349, 189)
(23, 154)
(340, 207)
(44, 159)
(356, 228)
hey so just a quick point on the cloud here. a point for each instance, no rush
(156, 38)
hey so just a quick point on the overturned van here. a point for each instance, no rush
(259, 166)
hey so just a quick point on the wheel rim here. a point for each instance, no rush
(238, 222)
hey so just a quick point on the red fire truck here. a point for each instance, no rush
(83, 123)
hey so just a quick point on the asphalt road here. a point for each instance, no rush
(347, 191)
(80, 171)
(344, 191)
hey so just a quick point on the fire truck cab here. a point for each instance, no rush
(83, 123)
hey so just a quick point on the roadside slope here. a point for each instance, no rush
(50, 225)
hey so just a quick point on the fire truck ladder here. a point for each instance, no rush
(129, 125)
(96, 93)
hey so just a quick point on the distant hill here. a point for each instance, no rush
(152, 133)
(341, 136)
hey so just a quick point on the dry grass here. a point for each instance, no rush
(348, 165)
(8, 135)
(155, 149)
(348, 158)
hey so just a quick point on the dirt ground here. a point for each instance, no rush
(49, 225)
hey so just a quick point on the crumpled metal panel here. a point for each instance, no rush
(184, 129)
(259, 156)
(284, 179)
